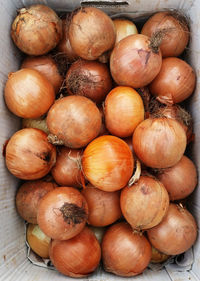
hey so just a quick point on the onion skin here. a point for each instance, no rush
(87, 33)
(179, 180)
(29, 155)
(124, 252)
(176, 233)
(124, 110)
(39, 123)
(36, 30)
(124, 28)
(104, 207)
(133, 62)
(159, 142)
(28, 94)
(108, 163)
(28, 198)
(175, 82)
(158, 257)
(78, 256)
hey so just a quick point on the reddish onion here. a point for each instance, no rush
(62, 213)
(78, 256)
(174, 29)
(39, 123)
(90, 79)
(124, 28)
(124, 110)
(124, 252)
(179, 180)
(36, 30)
(176, 233)
(159, 142)
(67, 170)
(47, 67)
(91, 33)
(28, 198)
(145, 203)
(28, 94)
(158, 257)
(29, 155)
(74, 121)
(104, 207)
(135, 61)
(108, 163)
(175, 81)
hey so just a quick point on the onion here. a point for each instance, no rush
(38, 241)
(47, 67)
(39, 123)
(176, 233)
(108, 163)
(145, 203)
(104, 207)
(74, 120)
(135, 61)
(28, 94)
(78, 256)
(62, 213)
(29, 155)
(175, 32)
(91, 33)
(98, 232)
(124, 28)
(90, 79)
(159, 142)
(158, 257)
(130, 143)
(175, 81)
(124, 110)
(124, 252)
(36, 30)
(67, 170)
(28, 198)
(179, 180)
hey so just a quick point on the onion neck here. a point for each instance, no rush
(73, 213)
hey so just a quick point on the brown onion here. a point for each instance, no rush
(158, 257)
(145, 203)
(135, 61)
(29, 155)
(78, 256)
(104, 207)
(124, 110)
(36, 30)
(90, 79)
(174, 29)
(124, 252)
(39, 123)
(91, 33)
(175, 81)
(124, 28)
(28, 198)
(159, 142)
(28, 94)
(176, 233)
(62, 213)
(108, 163)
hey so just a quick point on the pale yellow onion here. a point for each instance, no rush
(124, 28)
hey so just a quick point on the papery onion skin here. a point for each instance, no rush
(145, 203)
(36, 30)
(159, 142)
(176, 233)
(38, 123)
(124, 110)
(28, 94)
(28, 198)
(108, 163)
(78, 256)
(124, 252)
(29, 155)
(87, 33)
(175, 82)
(62, 213)
(75, 120)
(104, 207)
(124, 28)
(158, 257)
(179, 180)
(133, 62)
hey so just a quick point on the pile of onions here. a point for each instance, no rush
(124, 28)
(62, 213)
(38, 123)
(29, 155)
(158, 257)
(124, 252)
(78, 256)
